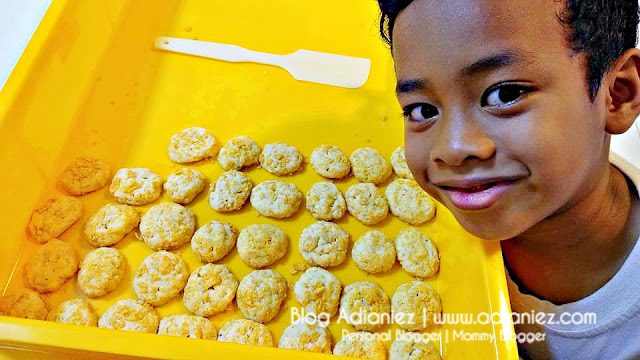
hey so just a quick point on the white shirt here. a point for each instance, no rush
(615, 333)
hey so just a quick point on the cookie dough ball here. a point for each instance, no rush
(325, 201)
(54, 217)
(324, 244)
(230, 192)
(160, 278)
(280, 159)
(412, 350)
(84, 175)
(318, 291)
(409, 202)
(417, 254)
(135, 186)
(374, 252)
(50, 266)
(242, 331)
(260, 295)
(167, 226)
(369, 166)
(209, 290)
(239, 152)
(261, 245)
(366, 203)
(330, 162)
(195, 327)
(101, 271)
(184, 185)
(361, 345)
(306, 337)
(276, 199)
(368, 300)
(399, 163)
(130, 315)
(214, 241)
(24, 303)
(192, 144)
(419, 303)
(74, 311)
(110, 224)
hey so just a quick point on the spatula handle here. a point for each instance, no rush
(226, 52)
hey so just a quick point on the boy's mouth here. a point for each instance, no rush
(477, 195)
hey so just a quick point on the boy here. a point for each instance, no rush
(509, 107)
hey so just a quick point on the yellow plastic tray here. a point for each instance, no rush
(90, 83)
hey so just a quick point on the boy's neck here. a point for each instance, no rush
(570, 255)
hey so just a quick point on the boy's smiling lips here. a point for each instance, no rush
(476, 193)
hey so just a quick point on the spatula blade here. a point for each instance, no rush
(329, 69)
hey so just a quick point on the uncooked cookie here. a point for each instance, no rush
(409, 202)
(412, 350)
(325, 201)
(135, 186)
(318, 291)
(230, 192)
(74, 311)
(130, 315)
(209, 290)
(330, 162)
(419, 303)
(276, 199)
(369, 166)
(417, 254)
(324, 244)
(84, 175)
(399, 163)
(160, 278)
(261, 245)
(361, 345)
(374, 252)
(184, 185)
(239, 152)
(101, 271)
(167, 226)
(366, 203)
(195, 327)
(368, 300)
(214, 241)
(50, 266)
(192, 144)
(55, 216)
(24, 303)
(280, 159)
(110, 224)
(305, 337)
(260, 295)
(242, 331)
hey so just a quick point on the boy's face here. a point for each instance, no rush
(499, 125)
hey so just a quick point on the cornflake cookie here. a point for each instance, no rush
(324, 244)
(135, 186)
(242, 331)
(239, 152)
(374, 252)
(192, 144)
(260, 295)
(280, 159)
(184, 185)
(369, 166)
(276, 199)
(412, 350)
(74, 311)
(366, 203)
(325, 201)
(261, 245)
(399, 163)
(418, 302)
(361, 345)
(195, 327)
(214, 241)
(130, 315)
(230, 192)
(417, 254)
(101, 271)
(54, 217)
(160, 278)
(330, 162)
(306, 337)
(209, 290)
(318, 291)
(409, 202)
(365, 306)
(167, 226)
(50, 266)
(110, 224)
(84, 175)
(24, 303)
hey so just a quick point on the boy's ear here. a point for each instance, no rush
(623, 92)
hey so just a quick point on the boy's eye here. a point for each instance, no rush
(504, 95)
(420, 112)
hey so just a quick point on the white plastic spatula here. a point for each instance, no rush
(305, 65)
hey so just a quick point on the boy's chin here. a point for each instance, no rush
(490, 228)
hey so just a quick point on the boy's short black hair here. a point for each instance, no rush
(602, 29)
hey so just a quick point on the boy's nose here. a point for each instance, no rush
(460, 138)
